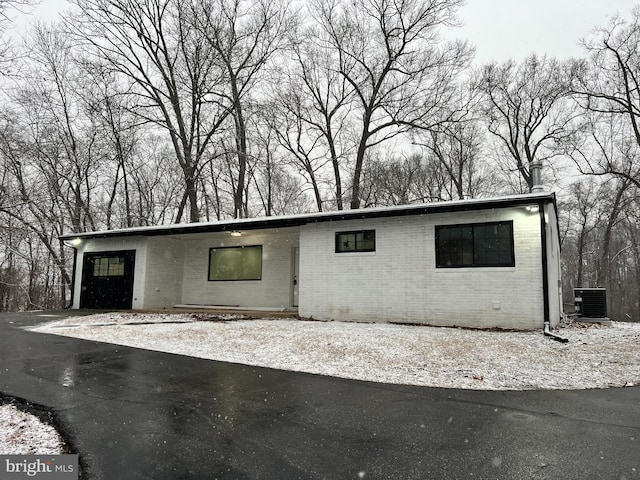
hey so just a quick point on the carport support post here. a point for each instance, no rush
(68, 282)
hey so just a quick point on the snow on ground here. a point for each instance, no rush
(24, 434)
(595, 356)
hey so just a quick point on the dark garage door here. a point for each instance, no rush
(107, 279)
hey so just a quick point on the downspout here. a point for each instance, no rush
(545, 277)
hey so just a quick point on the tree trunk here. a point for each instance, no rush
(603, 272)
(241, 147)
(357, 173)
(336, 167)
(581, 241)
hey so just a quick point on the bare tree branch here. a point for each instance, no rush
(528, 110)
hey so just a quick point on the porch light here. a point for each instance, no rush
(532, 208)
(73, 243)
(236, 233)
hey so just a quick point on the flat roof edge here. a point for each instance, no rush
(303, 219)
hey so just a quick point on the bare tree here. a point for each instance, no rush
(314, 102)
(457, 148)
(7, 8)
(155, 189)
(27, 202)
(65, 147)
(599, 247)
(608, 148)
(51, 152)
(401, 74)
(587, 218)
(245, 35)
(66, 150)
(613, 204)
(610, 92)
(400, 180)
(303, 148)
(116, 126)
(170, 69)
(279, 190)
(625, 265)
(527, 109)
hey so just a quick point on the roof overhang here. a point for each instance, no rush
(304, 219)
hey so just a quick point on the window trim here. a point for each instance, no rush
(234, 279)
(355, 232)
(512, 263)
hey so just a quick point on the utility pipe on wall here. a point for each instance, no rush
(545, 277)
(548, 333)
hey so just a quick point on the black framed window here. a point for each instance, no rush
(475, 245)
(356, 241)
(108, 266)
(235, 263)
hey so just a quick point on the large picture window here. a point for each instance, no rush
(356, 241)
(235, 263)
(475, 245)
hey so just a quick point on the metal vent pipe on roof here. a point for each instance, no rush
(536, 176)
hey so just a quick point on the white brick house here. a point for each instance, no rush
(475, 263)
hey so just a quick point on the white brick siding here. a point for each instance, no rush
(165, 269)
(399, 281)
(273, 291)
(177, 269)
(139, 244)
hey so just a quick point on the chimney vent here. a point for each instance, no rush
(536, 176)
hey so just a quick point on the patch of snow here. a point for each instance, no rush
(595, 357)
(24, 434)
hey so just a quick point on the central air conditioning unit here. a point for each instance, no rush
(591, 302)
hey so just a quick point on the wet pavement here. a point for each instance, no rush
(139, 414)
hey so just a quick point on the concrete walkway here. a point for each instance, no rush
(138, 414)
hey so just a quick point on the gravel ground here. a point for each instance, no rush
(595, 356)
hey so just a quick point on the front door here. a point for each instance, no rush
(107, 279)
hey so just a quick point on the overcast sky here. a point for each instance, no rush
(503, 29)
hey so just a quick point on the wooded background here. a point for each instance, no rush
(134, 112)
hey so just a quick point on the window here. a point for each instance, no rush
(108, 266)
(475, 245)
(356, 241)
(235, 263)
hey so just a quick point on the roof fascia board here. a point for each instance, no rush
(303, 219)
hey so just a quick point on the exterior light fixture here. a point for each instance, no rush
(236, 233)
(532, 208)
(76, 242)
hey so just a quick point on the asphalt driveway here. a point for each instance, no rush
(140, 414)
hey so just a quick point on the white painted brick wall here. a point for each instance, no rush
(273, 291)
(165, 269)
(139, 244)
(399, 282)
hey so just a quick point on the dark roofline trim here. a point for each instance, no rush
(304, 219)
